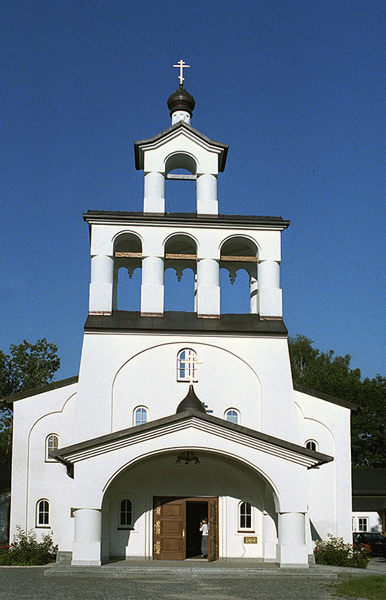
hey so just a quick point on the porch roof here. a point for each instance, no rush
(192, 418)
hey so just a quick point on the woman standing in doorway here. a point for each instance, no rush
(204, 537)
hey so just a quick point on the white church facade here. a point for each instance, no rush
(177, 416)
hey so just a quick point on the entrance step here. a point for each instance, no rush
(132, 568)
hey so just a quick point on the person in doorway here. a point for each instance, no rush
(204, 537)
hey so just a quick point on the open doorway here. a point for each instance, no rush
(195, 512)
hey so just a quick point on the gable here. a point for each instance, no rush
(204, 422)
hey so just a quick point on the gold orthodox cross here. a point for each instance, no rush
(190, 366)
(181, 65)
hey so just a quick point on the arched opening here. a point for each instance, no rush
(162, 479)
(127, 272)
(238, 276)
(180, 273)
(180, 186)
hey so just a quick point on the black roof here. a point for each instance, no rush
(180, 125)
(192, 218)
(150, 425)
(181, 321)
(368, 489)
(323, 396)
(42, 388)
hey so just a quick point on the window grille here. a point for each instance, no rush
(363, 523)
(140, 415)
(52, 444)
(125, 514)
(232, 416)
(187, 365)
(43, 513)
(245, 516)
(311, 445)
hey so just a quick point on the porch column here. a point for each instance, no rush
(292, 540)
(269, 537)
(87, 538)
(154, 193)
(270, 297)
(208, 288)
(152, 288)
(101, 286)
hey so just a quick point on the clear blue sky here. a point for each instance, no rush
(295, 89)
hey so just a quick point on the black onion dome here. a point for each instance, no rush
(190, 402)
(181, 100)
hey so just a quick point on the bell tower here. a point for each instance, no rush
(204, 241)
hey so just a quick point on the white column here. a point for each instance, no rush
(207, 194)
(253, 300)
(154, 193)
(152, 288)
(195, 292)
(208, 288)
(292, 540)
(87, 537)
(269, 537)
(101, 286)
(269, 292)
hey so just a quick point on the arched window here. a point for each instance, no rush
(187, 365)
(140, 415)
(245, 515)
(232, 416)
(125, 513)
(52, 444)
(311, 445)
(42, 513)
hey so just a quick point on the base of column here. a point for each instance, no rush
(86, 563)
(293, 556)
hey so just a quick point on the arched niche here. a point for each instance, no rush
(238, 268)
(127, 271)
(180, 190)
(180, 257)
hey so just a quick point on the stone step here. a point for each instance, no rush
(129, 571)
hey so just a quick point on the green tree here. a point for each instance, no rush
(329, 373)
(27, 366)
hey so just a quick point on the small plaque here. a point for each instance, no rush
(250, 540)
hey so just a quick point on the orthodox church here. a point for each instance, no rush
(180, 416)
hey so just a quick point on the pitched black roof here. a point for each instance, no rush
(151, 425)
(323, 396)
(42, 388)
(180, 125)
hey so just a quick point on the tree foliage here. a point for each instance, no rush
(27, 366)
(329, 373)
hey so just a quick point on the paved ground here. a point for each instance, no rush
(312, 584)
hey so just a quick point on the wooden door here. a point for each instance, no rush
(213, 529)
(169, 528)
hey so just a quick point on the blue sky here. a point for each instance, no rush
(294, 88)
